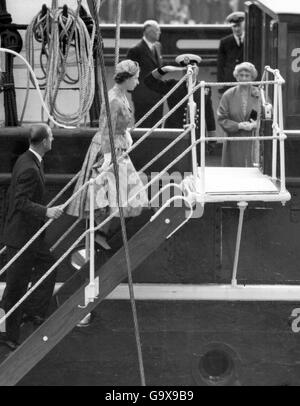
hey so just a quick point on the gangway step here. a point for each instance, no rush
(222, 184)
(65, 318)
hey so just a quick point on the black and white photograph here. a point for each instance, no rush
(149, 196)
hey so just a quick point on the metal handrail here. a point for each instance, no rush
(91, 182)
(278, 131)
(74, 195)
(86, 232)
(132, 148)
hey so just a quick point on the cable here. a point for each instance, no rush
(99, 48)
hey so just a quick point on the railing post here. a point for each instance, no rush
(274, 142)
(92, 290)
(242, 207)
(192, 111)
(92, 230)
(202, 136)
(281, 141)
(267, 86)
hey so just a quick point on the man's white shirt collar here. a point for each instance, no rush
(237, 38)
(150, 44)
(36, 154)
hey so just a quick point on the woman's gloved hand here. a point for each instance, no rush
(247, 126)
(128, 139)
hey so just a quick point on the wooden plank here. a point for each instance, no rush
(61, 322)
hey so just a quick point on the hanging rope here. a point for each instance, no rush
(118, 31)
(36, 84)
(65, 22)
(57, 66)
(94, 13)
(38, 29)
(58, 30)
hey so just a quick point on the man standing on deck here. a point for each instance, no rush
(231, 49)
(148, 55)
(26, 214)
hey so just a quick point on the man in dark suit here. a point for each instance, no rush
(231, 49)
(148, 54)
(26, 213)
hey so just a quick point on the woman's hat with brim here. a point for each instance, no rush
(188, 59)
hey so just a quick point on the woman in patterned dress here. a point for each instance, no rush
(98, 158)
(239, 114)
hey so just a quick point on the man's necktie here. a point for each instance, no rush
(153, 50)
(42, 170)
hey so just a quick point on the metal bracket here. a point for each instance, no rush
(167, 204)
(242, 207)
(3, 324)
(91, 292)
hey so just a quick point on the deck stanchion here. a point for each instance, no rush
(274, 142)
(92, 231)
(202, 137)
(92, 289)
(192, 111)
(94, 281)
(267, 86)
(242, 208)
(281, 140)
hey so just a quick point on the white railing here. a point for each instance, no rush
(278, 136)
(92, 289)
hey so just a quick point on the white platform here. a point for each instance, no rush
(239, 184)
(177, 291)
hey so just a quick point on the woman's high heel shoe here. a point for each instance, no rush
(101, 239)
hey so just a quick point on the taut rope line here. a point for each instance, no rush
(99, 48)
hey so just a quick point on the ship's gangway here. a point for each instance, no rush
(240, 184)
(204, 185)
